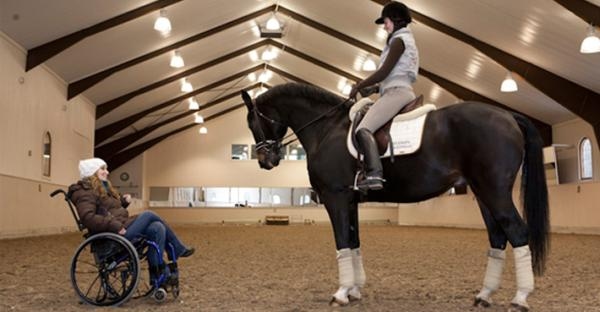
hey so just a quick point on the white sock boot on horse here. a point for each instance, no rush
(346, 277)
(493, 277)
(359, 275)
(525, 283)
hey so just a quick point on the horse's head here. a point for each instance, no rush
(267, 130)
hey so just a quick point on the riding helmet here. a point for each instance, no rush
(396, 11)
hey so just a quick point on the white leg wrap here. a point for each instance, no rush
(346, 274)
(493, 273)
(359, 275)
(344, 258)
(524, 271)
(359, 272)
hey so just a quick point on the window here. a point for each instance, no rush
(239, 152)
(47, 154)
(585, 159)
(244, 196)
(296, 152)
(230, 196)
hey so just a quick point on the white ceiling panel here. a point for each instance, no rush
(173, 89)
(135, 38)
(194, 54)
(34, 22)
(541, 32)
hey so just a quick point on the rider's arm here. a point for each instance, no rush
(396, 50)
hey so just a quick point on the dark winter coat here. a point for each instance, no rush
(108, 214)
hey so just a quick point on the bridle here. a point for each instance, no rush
(269, 145)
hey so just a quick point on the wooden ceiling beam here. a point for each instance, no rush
(108, 106)
(107, 131)
(81, 85)
(123, 157)
(42, 53)
(587, 11)
(543, 127)
(105, 151)
(468, 95)
(315, 61)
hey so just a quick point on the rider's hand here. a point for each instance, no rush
(122, 231)
(354, 91)
(127, 198)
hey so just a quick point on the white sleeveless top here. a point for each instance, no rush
(405, 72)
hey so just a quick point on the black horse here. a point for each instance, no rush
(473, 142)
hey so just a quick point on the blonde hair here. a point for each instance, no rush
(97, 186)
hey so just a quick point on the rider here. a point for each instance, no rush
(397, 71)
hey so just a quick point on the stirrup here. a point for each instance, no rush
(370, 183)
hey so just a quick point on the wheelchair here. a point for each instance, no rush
(108, 270)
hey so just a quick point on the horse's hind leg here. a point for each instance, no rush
(504, 212)
(496, 256)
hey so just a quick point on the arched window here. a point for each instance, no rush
(585, 159)
(47, 154)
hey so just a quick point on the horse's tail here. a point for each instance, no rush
(534, 194)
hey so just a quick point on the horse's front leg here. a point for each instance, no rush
(343, 213)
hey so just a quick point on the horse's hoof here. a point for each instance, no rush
(335, 302)
(353, 298)
(479, 302)
(517, 308)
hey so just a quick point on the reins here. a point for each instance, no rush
(271, 142)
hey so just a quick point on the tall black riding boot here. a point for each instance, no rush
(374, 171)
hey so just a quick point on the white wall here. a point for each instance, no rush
(134, 169)
(573, 209)
(32, 103)
(191, 159)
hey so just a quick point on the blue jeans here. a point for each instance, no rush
(151, 226)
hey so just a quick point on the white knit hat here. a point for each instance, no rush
(88, 167)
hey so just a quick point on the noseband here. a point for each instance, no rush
(267, 145)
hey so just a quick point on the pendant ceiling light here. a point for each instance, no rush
(177, 60)
(193, 105)
(591, 43)
(162, 23)
(186, 86)
(509, 84)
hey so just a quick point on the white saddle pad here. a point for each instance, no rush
(406, 132)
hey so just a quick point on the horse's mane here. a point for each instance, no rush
(313, 93)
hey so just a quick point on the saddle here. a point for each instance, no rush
(382, 135)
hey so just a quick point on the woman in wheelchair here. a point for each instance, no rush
(102, 209)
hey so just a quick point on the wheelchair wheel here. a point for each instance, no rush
(105, 270)
(145, 286)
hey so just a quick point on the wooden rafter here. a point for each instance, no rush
(79, 86)
(42, 53)
(107, 131)
(107, 150)
(123, 157)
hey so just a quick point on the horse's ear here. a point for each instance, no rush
(247, 99)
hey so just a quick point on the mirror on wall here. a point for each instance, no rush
(216, 197)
